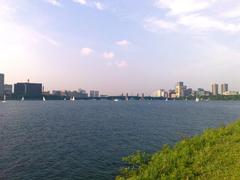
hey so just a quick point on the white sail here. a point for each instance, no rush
(73, 98)
(22, 99)
(44, 98)
(197, 99)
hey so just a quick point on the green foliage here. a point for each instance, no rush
(215, 154)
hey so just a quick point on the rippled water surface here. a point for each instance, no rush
(87, 139)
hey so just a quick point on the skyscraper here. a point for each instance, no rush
(180, 89)
(1, 85)
(214, 89)
(224, 88)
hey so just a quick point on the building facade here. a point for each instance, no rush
(31, 90)
(8, 88)
(1, 85)
(180, 89)
(94, 94)
(224, 88)
(215, 89)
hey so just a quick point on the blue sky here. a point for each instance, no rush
(120, 45)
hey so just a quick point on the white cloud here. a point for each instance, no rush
(232, 13)
(93, 4)
(86, 51)
(154, 24)
(184, 6)
(108, 55)
(99, 5)
(206, 23)
(54, 2)
(195, 15)
(83, 2)
(123, 43)
(122, 64)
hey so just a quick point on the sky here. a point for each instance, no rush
(117, 46)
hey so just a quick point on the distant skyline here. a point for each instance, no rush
(117, 46)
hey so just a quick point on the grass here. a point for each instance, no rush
(215, 154)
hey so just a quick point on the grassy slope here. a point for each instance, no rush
(215, 154)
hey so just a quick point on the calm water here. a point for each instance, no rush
(87, 139)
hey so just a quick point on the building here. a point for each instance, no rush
(230, 93)
(8, 90)
(159, 93)
(30, 90)
(224, 88)
(83, 93)
(215, 89)
(180, 88)
(94, 94)
(1, 85)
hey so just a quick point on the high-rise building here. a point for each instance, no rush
(215, 89)
(31, 90)
(180, 89)
(8, 90)
(1, 85)
(94, 94)
(224, 88)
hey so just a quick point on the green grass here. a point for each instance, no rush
(215, 154)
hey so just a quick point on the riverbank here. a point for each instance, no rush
(215, 154)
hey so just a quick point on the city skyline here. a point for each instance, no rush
(116, 46)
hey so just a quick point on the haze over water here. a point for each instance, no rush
(87, 139)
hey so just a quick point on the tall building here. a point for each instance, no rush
(224, 88)
(8, 90)
(180, 89)
(1, 85)
(31, 90)
(159, 93)
(94, 94)
(215, 89)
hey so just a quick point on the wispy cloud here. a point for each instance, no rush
(99, 5)
(108, 55)
(123, 42)
(194, 15)
(93, 4)
(86, 51)
(176, 7)
(154, 24)
(83, 2)
(122, 64)
(54, 2)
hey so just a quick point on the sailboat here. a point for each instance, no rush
(65, 99)
(44, 99)
(73, 98)
(4, 98)
(166, 99)
(22, 99)
(197, 99)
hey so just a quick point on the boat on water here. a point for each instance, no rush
(22, 99)
(197, 100)
(65, 99)
(73, 98)
(44, 99)
(166, 99)
(116, 100)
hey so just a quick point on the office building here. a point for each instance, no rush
(159, 93)
(94, 94)
(180, 88)
(8, 90)
(31, 90)
(1, 85)
(215, 89)
(224, 88)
